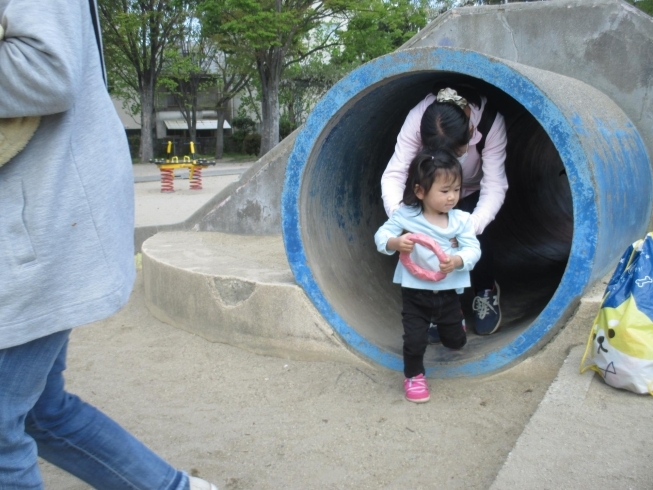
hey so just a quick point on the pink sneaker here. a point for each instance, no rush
(417, 391)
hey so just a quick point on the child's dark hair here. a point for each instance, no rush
(425, 168)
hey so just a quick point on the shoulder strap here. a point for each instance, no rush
(484, 125)
(98, 37)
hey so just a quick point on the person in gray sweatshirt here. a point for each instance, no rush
(66, 249)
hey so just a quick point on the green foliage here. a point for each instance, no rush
(187, 71)
(302, 86)
(244, 124)
(285, 126)
(236, 141)
(643, 5)
(233, 73)
(380, 28)
(299, 48)
(136, 35)
(252, 144)
(134, 142)
(256, 26)
(273, 34)
(250, 100)
(181, 68)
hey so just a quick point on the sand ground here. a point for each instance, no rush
(156, 208)
(246, 421)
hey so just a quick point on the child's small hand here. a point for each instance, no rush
(452, 263)
(400, 244)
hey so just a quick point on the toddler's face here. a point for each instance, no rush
(443, 194)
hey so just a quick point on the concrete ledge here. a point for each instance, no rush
(541, 458)
(237, 290)
(584, 434)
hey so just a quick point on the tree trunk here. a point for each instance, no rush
(219, 134)
(270, 74)
(270, 115)
(147, 123)
(292, 117)
(192, 124)
(193, 136)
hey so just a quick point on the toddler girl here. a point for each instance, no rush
(462, 120)
(432, 190)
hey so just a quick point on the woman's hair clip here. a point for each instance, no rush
(450, 95)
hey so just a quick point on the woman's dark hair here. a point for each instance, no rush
(445, 124)
(425, 168)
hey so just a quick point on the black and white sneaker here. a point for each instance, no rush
(487, 311)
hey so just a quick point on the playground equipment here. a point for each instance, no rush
(168, 166)
(581, 190)
(572, 79)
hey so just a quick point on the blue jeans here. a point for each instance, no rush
(37, 416)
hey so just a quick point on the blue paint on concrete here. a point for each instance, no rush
(592, 151)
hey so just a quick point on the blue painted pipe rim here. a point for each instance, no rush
(553, 121)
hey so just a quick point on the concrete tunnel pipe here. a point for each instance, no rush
(580, 192)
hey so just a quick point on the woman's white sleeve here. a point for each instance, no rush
(469, 249)
(494, 183)
(409, 142)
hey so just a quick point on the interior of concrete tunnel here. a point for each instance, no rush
(532, 233)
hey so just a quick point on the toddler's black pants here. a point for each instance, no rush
(420, 309)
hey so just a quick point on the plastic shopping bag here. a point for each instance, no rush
(620, 346)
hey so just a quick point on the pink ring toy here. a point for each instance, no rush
(414, 269)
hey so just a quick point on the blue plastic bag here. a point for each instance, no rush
(620, 346)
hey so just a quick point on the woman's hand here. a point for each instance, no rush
(454, 242)
(400, 244)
